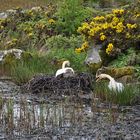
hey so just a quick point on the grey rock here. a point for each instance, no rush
(3, 15)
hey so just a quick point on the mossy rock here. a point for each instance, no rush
(94, 67)
(117, 72)
(9, 59)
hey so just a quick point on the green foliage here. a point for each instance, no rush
(122, 98)
(123, 59)
(60, 41)
(130, 58)
(24, 70)
(70, 15)
(76, 60)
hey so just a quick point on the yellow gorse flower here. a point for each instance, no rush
(102, 37)
(84, 46)
(51, 21)
(131, 26)
(115, 20)
(78, 50)
(99, 18)
(127, 35)
(120, 27)
(30, 34)
(109, 48)
(118, 11)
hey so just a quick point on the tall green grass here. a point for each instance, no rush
(122, 98)
(24, 70)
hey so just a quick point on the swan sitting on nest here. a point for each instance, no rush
(113, 85)
(64, 69)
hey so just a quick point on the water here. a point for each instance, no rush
(21, 118)
(25, 118)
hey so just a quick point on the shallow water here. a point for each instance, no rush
(25, 118)
(21, 118)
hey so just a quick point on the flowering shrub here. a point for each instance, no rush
(115, 31)
(27, 26)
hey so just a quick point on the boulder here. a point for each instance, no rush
(127, 71)
(93, 59)
(3, 15)
(16, 52)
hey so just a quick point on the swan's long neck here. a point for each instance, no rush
(64, 64)
(107, 76)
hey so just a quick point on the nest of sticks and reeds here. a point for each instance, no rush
(49, 85)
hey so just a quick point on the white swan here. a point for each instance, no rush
(113, 85)
(64, 69)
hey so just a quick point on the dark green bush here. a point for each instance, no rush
(70, 14)
(60, 41)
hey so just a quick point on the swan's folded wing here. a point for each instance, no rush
(59, 72)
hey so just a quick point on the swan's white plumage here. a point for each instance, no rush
(64, 69)
(113, 85)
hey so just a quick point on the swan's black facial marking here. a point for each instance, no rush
(97, 78)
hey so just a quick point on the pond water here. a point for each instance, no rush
(27, 116)
(25, 119)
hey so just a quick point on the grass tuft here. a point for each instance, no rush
(122, 98)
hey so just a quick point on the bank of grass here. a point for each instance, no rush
(126, 97)
(24, 70)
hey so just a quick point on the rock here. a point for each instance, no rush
(11, 11)
(3, 15)
(37, 9)
(127, 71)
(93, 59)
(16, 52)
(8, 87)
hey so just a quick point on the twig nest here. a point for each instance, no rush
(68, 85)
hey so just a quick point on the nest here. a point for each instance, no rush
(50, 85)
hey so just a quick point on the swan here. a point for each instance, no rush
(64, 69)
(113, 85)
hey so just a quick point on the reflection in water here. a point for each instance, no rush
(28, 118)
(23, 117)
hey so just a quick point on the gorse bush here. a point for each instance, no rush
(32, 27)
(116, 31)
(28, 27)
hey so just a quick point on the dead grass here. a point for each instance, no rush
(11, 4)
